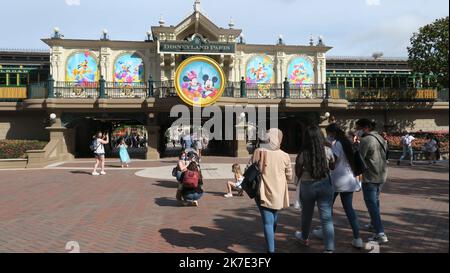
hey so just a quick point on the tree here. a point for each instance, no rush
(429, 50)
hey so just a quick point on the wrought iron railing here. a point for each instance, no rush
(392, 95)
(232, 90)
(134, 90)
(264, 91)
(75, 90)
(164, 89)
(307, 91)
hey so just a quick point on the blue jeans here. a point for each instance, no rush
(371, 194)
(269, 219)
(321, 192)
(407, 151)
(347, 203)
(192, 196)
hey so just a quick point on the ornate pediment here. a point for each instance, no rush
(196, 23)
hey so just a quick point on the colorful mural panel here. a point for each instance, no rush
(129, 68)
(82, 68)
(260, 70)
(199, 81)
(301, 71)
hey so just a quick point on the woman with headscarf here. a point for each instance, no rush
(276, 170)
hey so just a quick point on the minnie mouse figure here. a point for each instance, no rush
(191, 83)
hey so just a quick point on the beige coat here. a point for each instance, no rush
(277, 173)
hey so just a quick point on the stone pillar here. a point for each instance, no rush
(241, 140)
(60, 139)
(153, 135)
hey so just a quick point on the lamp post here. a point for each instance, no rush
(104, 35)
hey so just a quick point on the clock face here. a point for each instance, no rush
(199, 81)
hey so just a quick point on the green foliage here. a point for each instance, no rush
(17, 148)
(429, 51)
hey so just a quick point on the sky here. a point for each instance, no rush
(351, 27)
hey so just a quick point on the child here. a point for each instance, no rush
(238, 178)
(123, 153)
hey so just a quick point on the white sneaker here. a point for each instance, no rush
(95, 173)
(358, 243)
(379, 238)
(318, 232)
(228, 195)
(195, 203)
(102, 173)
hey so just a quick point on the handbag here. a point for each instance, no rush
(252, 181)
(175, 171)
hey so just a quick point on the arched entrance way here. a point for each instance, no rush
(85, 126)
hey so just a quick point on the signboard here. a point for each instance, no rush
(199, 81)
(196, 45)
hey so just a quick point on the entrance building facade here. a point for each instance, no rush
(103, 84)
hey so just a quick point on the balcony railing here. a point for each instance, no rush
(135, 90)
(390, 95)
(166, 89)
(74, 90)
(264, 91)
(307, 91)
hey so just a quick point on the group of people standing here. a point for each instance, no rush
(325, 169)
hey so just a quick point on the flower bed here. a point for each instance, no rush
(421, 138)
(10, 149)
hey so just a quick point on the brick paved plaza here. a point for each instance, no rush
(41, 210)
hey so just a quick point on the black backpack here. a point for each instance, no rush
(252, 181)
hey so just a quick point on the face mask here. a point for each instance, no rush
(359, 133)
(183, 158)
(330, 139)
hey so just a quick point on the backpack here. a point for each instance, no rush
(92, 147)
(190, 179)
(252, 181)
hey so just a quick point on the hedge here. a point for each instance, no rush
(17, 148)
(421, 138)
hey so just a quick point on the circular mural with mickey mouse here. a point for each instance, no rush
(199, 81)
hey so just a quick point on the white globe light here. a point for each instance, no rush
(242, 115)
(56, 29)
(52, 116)
(327, 115)
(105, 31)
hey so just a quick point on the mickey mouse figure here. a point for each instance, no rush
(209, 86)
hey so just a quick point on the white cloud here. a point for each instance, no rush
(373, 2)
(73, 2)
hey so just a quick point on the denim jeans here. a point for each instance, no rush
(321, 192)
(371, 192)
(192, 196)
(347, 204)
(407, 151)
(269, 219)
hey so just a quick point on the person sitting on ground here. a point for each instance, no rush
(236, 185)
(191, 185)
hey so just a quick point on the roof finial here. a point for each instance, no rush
(161, 22)
(231, 23)
(197, 6)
